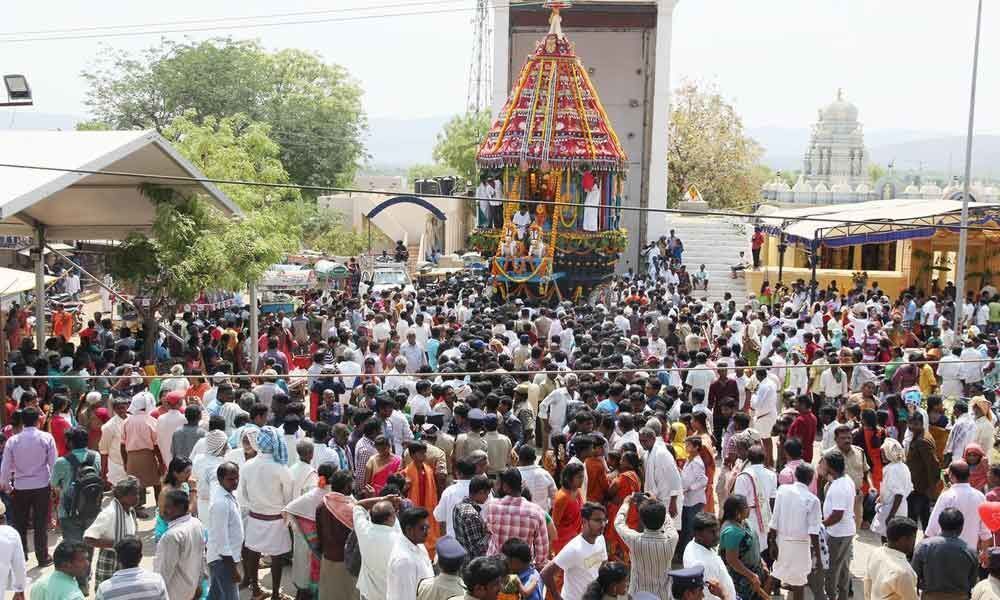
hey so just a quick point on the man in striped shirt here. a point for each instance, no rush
(131, 580)
(652, 550)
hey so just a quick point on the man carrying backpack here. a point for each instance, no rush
(77, 489)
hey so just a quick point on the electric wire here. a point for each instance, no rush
(183, 22)
(238, 26)
(515, 374)
(344, 190)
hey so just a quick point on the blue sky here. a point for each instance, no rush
(905, 63)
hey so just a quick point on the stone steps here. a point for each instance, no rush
(716, 243)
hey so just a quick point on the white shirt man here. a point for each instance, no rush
(72, 284)
(180, 556)
(663, 479)
(484, 193)
(579, 561)
(795, 518)
(830, 387)
(414, 354)
(779, 370)
(166, 425)
(701, 378)
(967, 500)
(450, 497)
(929, 313)
(950, 371)
(758, 485)
(395, 378)
(110, 446)
(419, 405)
(798, 377)
(765, 407)
(522, 219)
(376, 543)
(401, 432)
(694, 480)
(657, 347)
(265, 488)
(408, 564)
(696, 555)
(553, 408)
(840, 496)
(13, 572)
(381, 330)
(541, 485)
(961, 435)
(971, 372)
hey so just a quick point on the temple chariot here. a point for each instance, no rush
(557, 169)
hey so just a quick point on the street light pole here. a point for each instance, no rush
(963, 234)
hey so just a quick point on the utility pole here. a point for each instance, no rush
(480, 91)
(963, 234)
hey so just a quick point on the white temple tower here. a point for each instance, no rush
(836, 153)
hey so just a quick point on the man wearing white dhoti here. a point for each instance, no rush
(265, 489)
(112, 463)
(794, 527)
(591, 209)
(106, 295)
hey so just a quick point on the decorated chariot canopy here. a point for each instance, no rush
(553, 116)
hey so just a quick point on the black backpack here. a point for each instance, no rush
(352, 554)
(82, 498)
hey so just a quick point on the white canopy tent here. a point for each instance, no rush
(875, 221)
(61, 205)
(15, 281)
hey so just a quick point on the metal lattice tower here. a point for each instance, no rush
(480, 92)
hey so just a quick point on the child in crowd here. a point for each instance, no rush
(883, 422)
(828, 417)
(523, 581)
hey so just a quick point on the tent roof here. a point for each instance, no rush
(74, 206)
(14, 281)
(876, 221)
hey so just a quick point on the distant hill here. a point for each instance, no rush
(944, 155)
(910, 150)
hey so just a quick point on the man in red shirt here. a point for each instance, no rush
(811, 347)
(718, 391)
(89, 335)
(756, 243)
(804, 427)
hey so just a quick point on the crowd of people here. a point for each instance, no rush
(445, 444)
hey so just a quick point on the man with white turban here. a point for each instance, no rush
(140, 448)
(203, 472)
(265, 489)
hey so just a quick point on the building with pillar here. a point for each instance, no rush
(625, 45)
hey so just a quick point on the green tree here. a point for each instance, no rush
(709, 149)
(237, 148)
(313, 108)
(875, 172)
(427, 171)
(458, 141)
(328, 232)
(192, 246)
